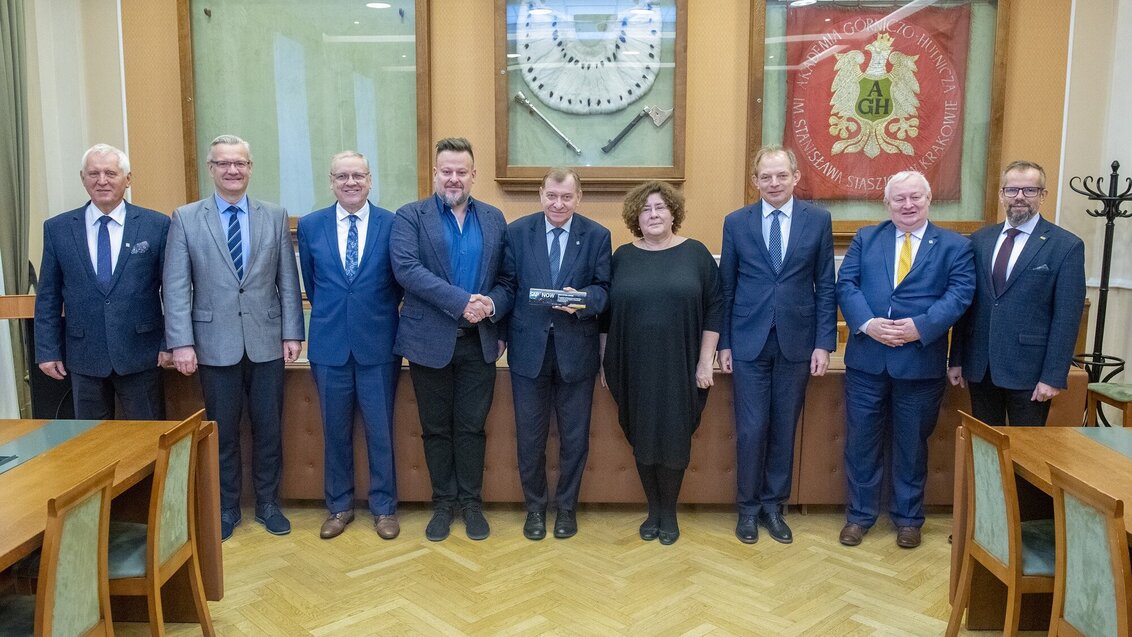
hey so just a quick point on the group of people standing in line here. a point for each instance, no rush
(444, 283)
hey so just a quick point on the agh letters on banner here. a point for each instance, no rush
(869, 95)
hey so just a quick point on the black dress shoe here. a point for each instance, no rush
(439, 524)
(650, 528)
(747, 530)
(565, 524)
(776, 525)
(669, 530)
(535, 526)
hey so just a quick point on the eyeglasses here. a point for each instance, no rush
(225, 165)
(660, 207)
(1030, 191)
(343, 178)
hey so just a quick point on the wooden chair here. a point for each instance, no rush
(144, 556)
(1118, 395)
(71, 597)
(1092, 580)
(1019, 554)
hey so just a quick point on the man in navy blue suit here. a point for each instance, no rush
(446, 250)
(554, 351)
(779, 326)
(348, 277)
(902, 285)
(1014, 346)
(101, 267)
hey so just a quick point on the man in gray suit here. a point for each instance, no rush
(232, 304)
(446, 250)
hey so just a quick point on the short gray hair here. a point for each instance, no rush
(906, 175)
(230, 140)
(349, 154)
(107, 149)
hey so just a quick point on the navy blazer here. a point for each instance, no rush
(434, 305)
(119, 329)
(1030, 330)
(526, 265)
(799, 299)
(934, 294)
(356, 317)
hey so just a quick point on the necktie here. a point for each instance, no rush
(998, 272)
(555, 255)
(775, 245)
(352, 248)
(905, 264)
(235, 245)
(103, 254)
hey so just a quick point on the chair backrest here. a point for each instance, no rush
(73, 596)
(1091, 581)
(992, 494)
(171, 512)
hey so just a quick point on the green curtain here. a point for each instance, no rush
(14, 213)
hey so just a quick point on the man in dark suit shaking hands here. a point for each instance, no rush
(1013, 347)
(102, 266)
(779, 326)
(344, 258)
(446, 251)
(554, 350)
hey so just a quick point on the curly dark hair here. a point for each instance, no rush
(635, 200)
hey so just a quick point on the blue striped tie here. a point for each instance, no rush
(235, 243)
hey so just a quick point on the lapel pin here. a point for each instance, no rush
(579, 242)
(127, 245)
(1043, 238)
(931, 241)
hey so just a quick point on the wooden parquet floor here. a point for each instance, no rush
(604, 581)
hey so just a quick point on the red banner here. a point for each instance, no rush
(874, 92)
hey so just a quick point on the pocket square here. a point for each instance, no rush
(140, 248)
(1041, 268)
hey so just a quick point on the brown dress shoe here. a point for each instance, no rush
(907, 537)
(852, 533)
(386, 526)
(335, 524)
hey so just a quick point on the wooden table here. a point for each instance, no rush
(25, 489)
(1031, 448)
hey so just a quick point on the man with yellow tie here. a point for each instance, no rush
(902, 285)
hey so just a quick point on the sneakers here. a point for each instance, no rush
(272, 519)
(437, 529)
(475, 525)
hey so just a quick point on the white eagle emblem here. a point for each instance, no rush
(874, 110)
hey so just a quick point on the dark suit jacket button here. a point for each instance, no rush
(108, 301)
(241, 290)
(239, 313)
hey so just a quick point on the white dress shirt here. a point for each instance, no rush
(344, 230)
(563, 239)
(115, 228)
(783, 224)
(1020, 239)
(917, 235)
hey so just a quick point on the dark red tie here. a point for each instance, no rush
(998, 273)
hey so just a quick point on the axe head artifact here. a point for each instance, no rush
(658, 115)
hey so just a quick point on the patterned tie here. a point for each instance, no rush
(905, 263)
(352, 248)
(998, 272)
(775, 246)
(235, 245)
(555, 255)
(103, 254)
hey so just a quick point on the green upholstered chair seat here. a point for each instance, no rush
(126, 553)
(18, 615)
(1117, 391)
(1038, 552)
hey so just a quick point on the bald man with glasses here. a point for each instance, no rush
(1013, 347)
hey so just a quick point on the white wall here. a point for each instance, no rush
(1098, 128)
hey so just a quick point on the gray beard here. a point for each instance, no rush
(453, 202)
(1018, 218)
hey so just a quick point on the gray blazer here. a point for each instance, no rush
(208, 307)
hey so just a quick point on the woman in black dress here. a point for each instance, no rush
(663, 326)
